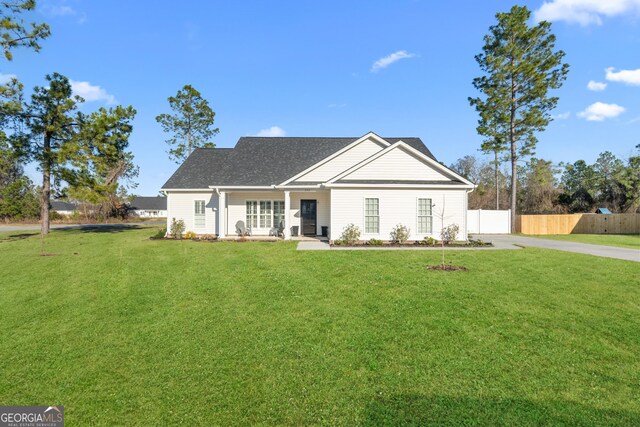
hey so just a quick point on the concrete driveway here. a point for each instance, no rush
(627, 254)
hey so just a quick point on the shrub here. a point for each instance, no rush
(400, 234)
(54, 216)
(429, 241)
(177, 228)
(374, 242)
(190, 235)
(160, 233)
(338, 242)
(450, 233)
(350, 234)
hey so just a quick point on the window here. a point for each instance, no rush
(252, 214)
(198, 216)
(265, 213)
(425, 217)
(371, 216)
(278, 212)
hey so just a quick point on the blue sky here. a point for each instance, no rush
(308, 69)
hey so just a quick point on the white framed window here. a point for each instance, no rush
(199, 218)
(371, 216)
(266, 214)
(425, 216)
(278, 212)
(252, 213)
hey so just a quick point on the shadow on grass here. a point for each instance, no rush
(414, 409)
(21, 236)
(100, 228)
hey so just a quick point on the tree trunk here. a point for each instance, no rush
(514, 158)
(497, 184)
(46, 184)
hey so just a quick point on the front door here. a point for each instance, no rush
(308, 217)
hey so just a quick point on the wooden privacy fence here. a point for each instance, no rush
(579, 224)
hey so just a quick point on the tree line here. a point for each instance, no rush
(544, 187)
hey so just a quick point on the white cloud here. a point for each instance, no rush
(64, 10)
(596, 86)
(272, 131)
(92, 92)
(59, 10)
(336, 105)
(584, 12)
(6, 78)
(630, 77)
(390, 59)
(599, 111)
(562, 116)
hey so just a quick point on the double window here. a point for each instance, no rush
(425, 216)
(264, 213)
(371, 216)
(198, 214)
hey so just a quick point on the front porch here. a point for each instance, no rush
(300, 214)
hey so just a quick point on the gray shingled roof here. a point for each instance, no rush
(149, 203)
(262, 161)
(59, 205)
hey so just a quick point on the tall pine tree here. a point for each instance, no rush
(191, 123)
(520, 65)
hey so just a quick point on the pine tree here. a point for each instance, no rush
(191, 123)
(520, 65)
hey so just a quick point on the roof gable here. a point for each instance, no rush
(338, 162)
(400, 164)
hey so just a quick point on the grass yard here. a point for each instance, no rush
(622, 240)
(123, 330)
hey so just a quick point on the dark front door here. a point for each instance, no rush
(308, 217)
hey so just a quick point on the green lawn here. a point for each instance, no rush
(621, 240)
(123, 330)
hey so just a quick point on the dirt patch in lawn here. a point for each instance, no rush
(447, 267)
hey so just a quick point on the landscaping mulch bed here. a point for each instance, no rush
(470, 244)
(447, 267)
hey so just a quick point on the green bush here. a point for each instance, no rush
(177, 228)
(429, 241)
(400, 234)
(160, 234)
(350, 234)
(374, 242)
(55, 216)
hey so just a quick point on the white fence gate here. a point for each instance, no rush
(488, 222)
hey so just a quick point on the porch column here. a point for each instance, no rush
(222, 217)
(287, 220)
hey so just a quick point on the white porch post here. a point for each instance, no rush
(222, 217)
(287, 221)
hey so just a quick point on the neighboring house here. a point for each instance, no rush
(63, 208)
(311, 183)
(149, 207)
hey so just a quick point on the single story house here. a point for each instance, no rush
(63, 208)
(311, 185)
(149, 207)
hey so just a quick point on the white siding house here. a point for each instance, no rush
(149, 207)
(307, 186)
